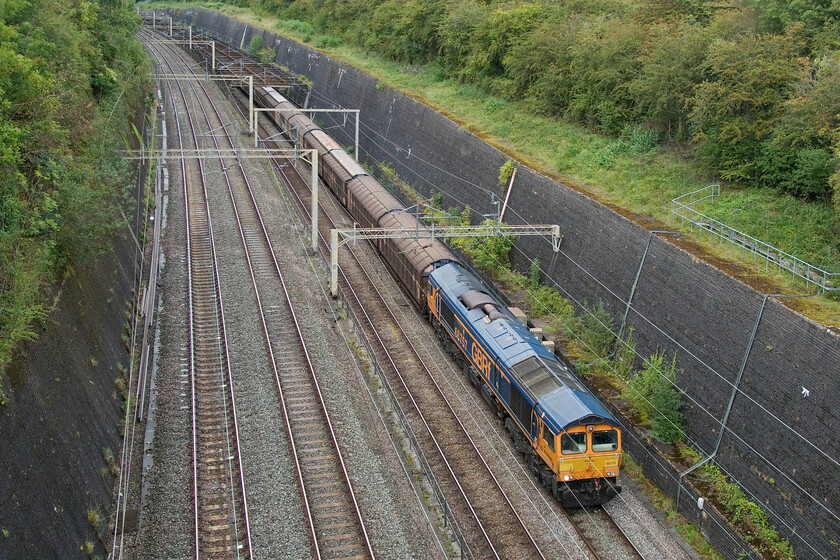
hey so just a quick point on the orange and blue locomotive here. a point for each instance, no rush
(570, 440)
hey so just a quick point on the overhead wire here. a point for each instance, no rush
(590, 275)
(372, 138)
(372, 135)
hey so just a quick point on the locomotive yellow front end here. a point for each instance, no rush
(587, 465)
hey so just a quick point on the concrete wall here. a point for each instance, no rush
(781, 446)
(63, 410)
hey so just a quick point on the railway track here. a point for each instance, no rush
(386, 321)
(332, 512)
(505, 536)
(220, 505)
(605, 537)
(590, 525)
(600, 536)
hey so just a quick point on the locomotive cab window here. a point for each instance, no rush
(446, 314)
(604, 440)
(548, 437)
(573, 444)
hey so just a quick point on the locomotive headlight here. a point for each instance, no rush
(567, 478)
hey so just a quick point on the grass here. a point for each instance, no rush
(629, 173)
(780, 221)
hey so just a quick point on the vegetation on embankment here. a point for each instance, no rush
(71, 77)
(677, 95)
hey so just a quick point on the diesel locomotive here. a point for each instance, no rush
(569, 440)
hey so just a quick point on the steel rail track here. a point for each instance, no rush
(220, 505)
(479, 488)
(579, 525)
(603, 534)
(585, 522)
(333, 514)
(230, 60)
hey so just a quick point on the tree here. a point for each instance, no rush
(61, 180)
(798, 157)
(492, 38)
(406, 30)
(604, 59)
(746, 81)
(456, 31)
(671, 64)
(539, 65)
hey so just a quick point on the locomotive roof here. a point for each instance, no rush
(558, 393)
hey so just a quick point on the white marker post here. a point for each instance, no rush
(251, 100)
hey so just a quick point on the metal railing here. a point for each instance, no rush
(772, 256)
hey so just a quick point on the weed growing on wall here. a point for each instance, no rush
(741, 511)
(596, 329)
(625, 357)
(655, 397)
(505, 173)
(534, 273)
(255, 46)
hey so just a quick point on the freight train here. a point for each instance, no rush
(569, 440)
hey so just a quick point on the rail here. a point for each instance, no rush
(216, 514)
(772, 256)
(262, 257)
(424, 422)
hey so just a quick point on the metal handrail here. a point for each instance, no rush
(684, 208)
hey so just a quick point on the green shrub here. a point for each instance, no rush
(491, 253)
(653, 394)
(328, 41)
(505, 172)
(624, 360)
(266, 55)
(746, 515)
(596, 328)
(548, 303)
(255, 46)
(534, 275)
